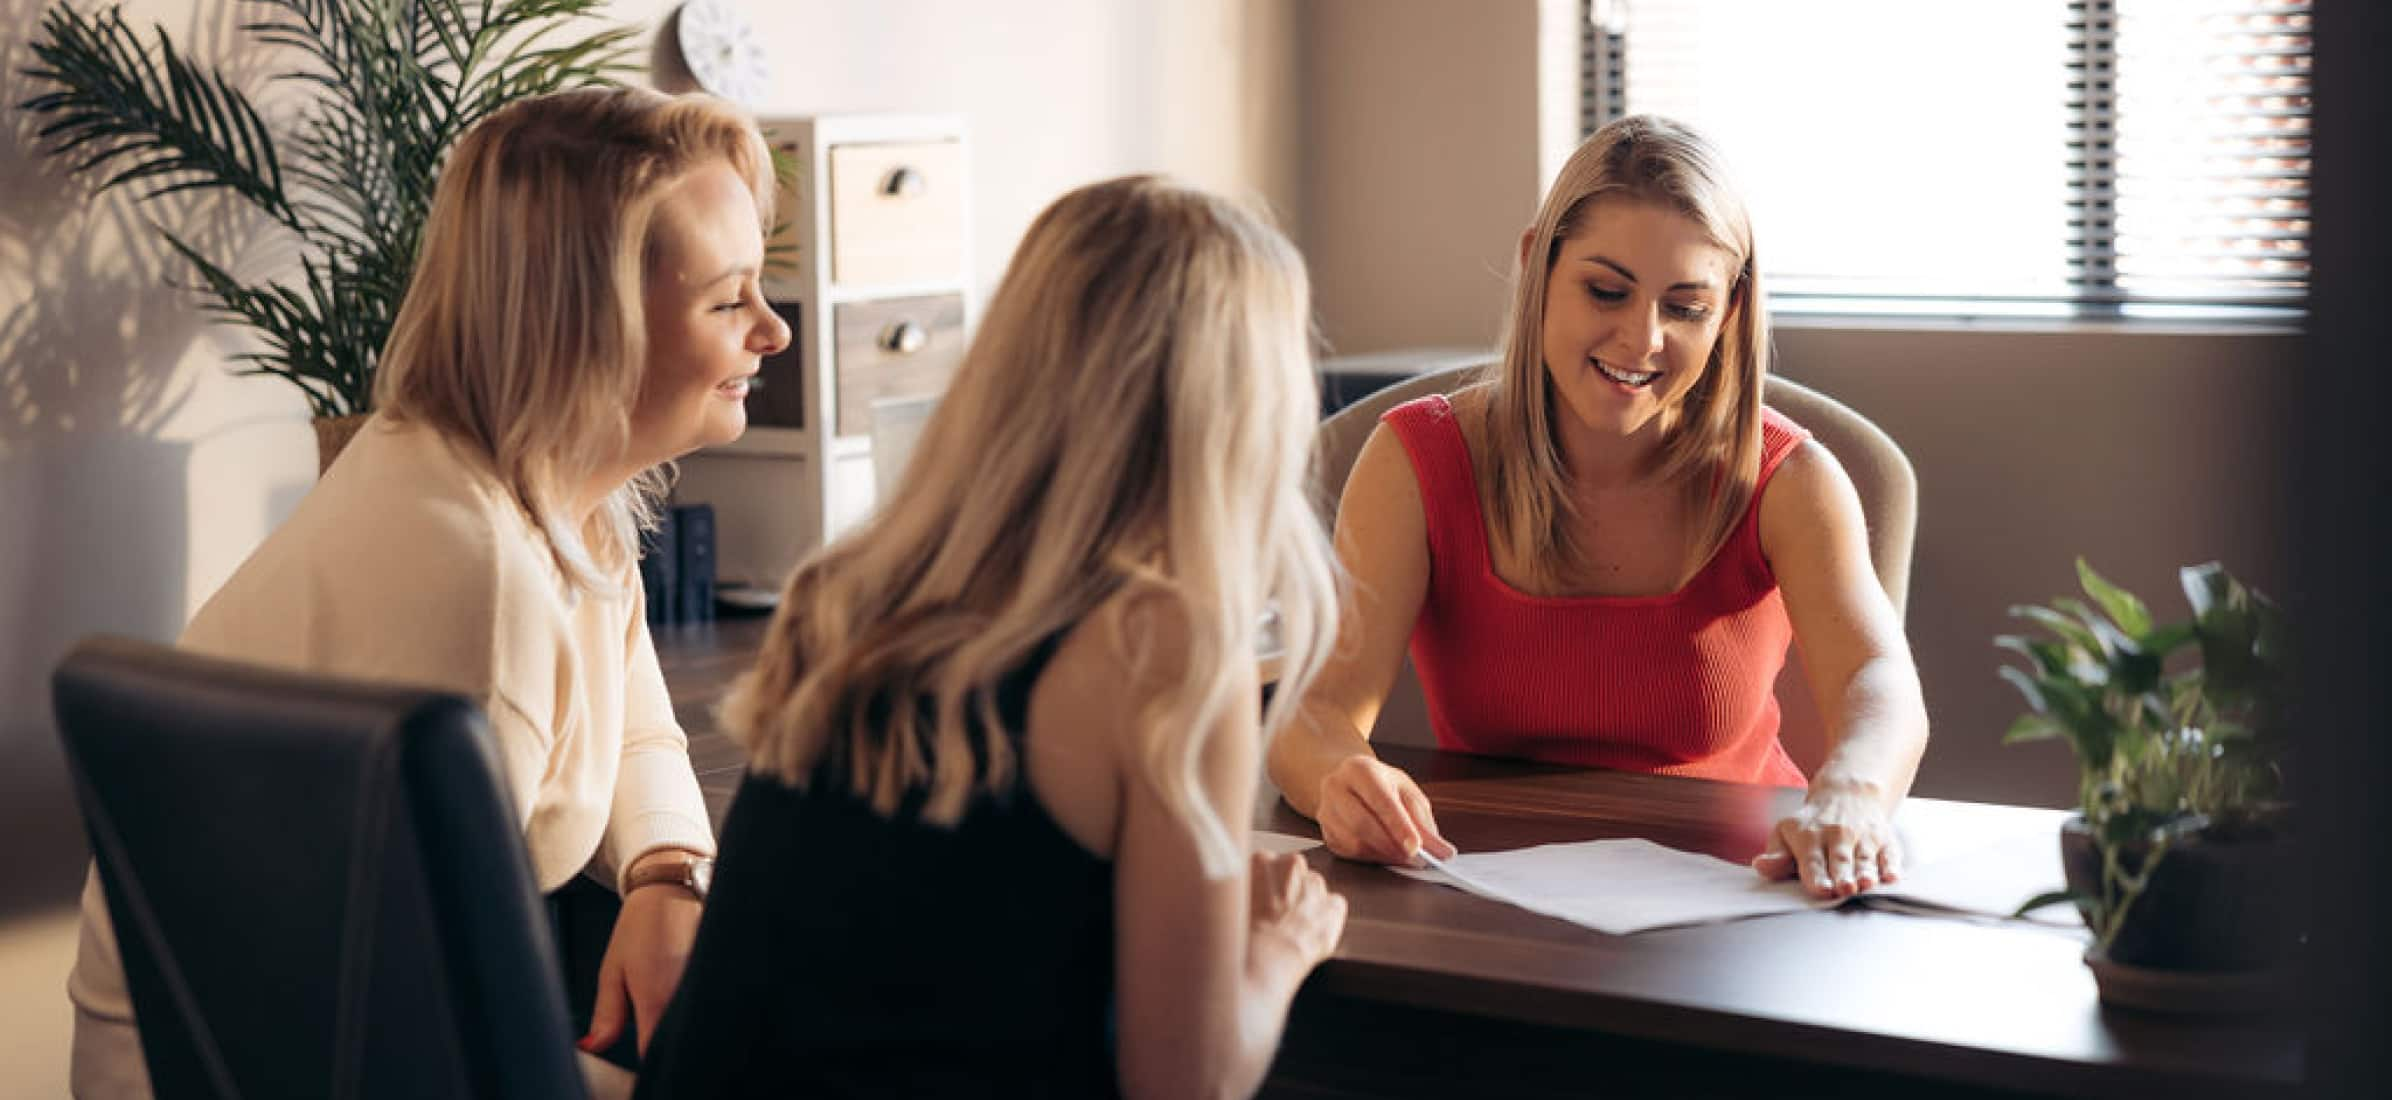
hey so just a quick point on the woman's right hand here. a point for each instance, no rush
(1371, 811)
(1293, 909)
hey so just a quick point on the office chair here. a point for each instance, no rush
(1889, 499)
(318, 886)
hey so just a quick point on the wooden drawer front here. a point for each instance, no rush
(896, 213)
(874, 363)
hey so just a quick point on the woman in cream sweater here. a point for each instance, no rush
(585, 308)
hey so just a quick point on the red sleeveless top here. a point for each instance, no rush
(1677, 684)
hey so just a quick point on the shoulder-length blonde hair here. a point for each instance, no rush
(1712, 448)
(1137, 408)
(522, 338)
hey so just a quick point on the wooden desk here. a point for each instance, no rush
(700, 660)
(1434, 992)
(1848, 1000)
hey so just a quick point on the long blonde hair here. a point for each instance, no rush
(522, 338)
(1713, 450)
(1137, 408)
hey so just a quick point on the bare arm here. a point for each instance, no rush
(1323, 763)
(1861, 675)
(1205, 967)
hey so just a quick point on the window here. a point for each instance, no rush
(2086, 157)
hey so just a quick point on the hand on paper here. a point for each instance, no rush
(1371, 811)
(643, 964)
(1293, 910)
(1840, 843)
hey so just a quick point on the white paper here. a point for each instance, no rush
(1280, 843)
(1619, 886)
(1992, 880)
(1935, 831)
(1959, 857)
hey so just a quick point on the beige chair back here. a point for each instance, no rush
(1889, 495)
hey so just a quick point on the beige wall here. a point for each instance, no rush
(1420, 165)
(2140, 450)
(132, 467)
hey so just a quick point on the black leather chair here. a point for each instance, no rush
(318, 887)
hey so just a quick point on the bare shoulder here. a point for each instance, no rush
(1121, 645)
(1469, 405)
(1383, 484)
(1808, 500)
(1382, 478)
(1116, 661)
(1383, 494)
(1810, 474)
(1100, 683)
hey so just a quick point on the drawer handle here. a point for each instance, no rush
(903, 182)
(904, 338)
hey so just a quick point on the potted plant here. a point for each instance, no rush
(393, 83)
(2178, 857)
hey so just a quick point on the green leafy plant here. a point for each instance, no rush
(393, 84)
(2176, 726)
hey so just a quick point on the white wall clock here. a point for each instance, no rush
(722, 50)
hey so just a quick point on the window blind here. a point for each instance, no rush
(2035, 156)
(2189, 150)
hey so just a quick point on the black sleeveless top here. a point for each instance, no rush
(844, 953)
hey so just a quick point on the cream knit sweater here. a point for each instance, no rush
(407, 563)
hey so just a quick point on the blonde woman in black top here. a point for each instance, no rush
(1004, 737)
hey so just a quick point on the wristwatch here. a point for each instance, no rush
(694, 874)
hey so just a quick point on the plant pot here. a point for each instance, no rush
(334, 433)
(2215, 905)
(2259, 992)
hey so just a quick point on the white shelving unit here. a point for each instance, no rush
(878, 301)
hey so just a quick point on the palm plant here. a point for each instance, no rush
(393, 84)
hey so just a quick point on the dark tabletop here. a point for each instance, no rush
(1992, 1005)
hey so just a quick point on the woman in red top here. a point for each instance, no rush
(1599, 554)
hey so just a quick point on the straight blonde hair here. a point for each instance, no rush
(1712, 448)
(1136, 409)
(522, 338)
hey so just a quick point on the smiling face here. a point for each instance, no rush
(707, 322)
(1634, 303)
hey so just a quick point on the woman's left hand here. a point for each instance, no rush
(1840, 843)
(643, 964)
